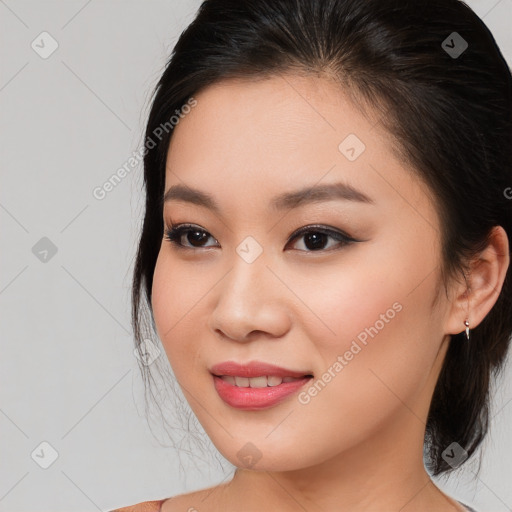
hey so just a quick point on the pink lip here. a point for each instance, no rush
(253, 399)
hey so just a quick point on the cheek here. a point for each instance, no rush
(175, 298)
(367, 296)
(377, 325)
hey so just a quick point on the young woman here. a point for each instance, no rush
(325, 250)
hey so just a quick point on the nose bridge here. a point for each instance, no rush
(248, 299)
(248, 270)
(245, 288)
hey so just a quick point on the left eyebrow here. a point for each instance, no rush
(319, 193)
(286, 201)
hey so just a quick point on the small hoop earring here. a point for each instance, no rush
(466, 323)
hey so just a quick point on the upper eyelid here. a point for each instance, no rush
(304, 229)
(321, 228)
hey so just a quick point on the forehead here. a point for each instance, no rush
(247, 139)
(269, 118)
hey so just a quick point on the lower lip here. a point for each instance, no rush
(255, 399)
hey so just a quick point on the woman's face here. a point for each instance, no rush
(345, 307)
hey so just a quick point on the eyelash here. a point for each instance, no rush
(175, 233)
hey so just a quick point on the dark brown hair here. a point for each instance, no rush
(450, 115)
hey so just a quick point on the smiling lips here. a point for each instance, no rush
(256, 385)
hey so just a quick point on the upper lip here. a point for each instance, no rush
(254, 369)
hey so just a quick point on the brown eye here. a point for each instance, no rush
(317, 238)
(193, 235)
(197, 238)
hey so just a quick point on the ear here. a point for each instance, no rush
(473, 299)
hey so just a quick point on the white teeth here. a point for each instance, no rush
(242, 382)
(256, 382)
(274, 381)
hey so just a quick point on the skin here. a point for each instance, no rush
(357, 445)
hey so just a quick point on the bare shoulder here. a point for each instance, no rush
(204, 500)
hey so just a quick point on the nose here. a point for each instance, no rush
(250, 304)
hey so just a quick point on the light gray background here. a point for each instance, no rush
(68, 373)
